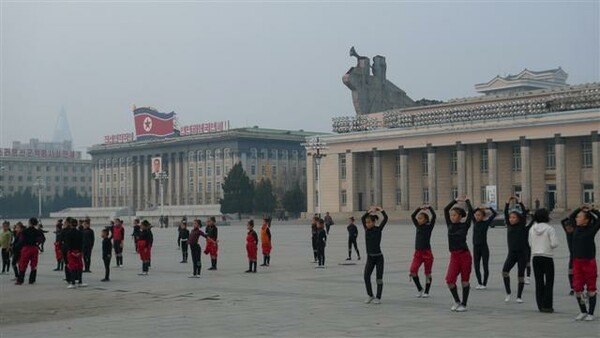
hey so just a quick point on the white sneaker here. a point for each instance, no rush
(507, 299)
(369, 300)
(527, 280)
(377, 301)
(419, 294)
(483, 287)
(520, 300)
(589, 318)
(455, 307)
(71, 286)
(192, 276)
(461, 308)
(478, 287)
(143, 274)
(581, 316)
(425, 295)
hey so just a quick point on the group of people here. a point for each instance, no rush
(532, 241)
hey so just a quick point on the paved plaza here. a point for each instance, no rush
(289, 299)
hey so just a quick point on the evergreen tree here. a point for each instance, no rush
(237, 191)
(264, 199)
(294, 200)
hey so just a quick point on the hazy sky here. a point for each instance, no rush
(270, 64)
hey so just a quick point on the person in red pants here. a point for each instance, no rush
(265, 239)
(145, 240)
(74, 243)
(29, 252)
(212, 242)
(251, 246)
(424, 225)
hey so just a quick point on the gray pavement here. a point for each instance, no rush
(288, 299)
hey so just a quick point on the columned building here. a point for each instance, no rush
(540, 145)
(196, 166)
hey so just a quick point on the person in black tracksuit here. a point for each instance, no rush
(194, 242)
(569, 229)
(517, 238)
(74, 242)
(136, 232)
(314, 229)
(321, 243)
(374, 255)
(87, 245)
(184, 234)
(16, 247)
(352, 236)
(106, 254)
(481, 250)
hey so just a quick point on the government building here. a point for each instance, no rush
(196, 163)
(531, 135)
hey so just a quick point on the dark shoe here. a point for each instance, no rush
(86, 271)
(359, 258)
(57, 269)
(105, 280)
(571, 293)
(183, 262)
(18, 283)
(212, 268)
(348, 259)
(247, 271)
(264, 265)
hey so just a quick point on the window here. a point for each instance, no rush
(253, 153)
(29, 178)
(208, 155)
(218, 154)
(38, 168)
(200, 154)
(343, 198)
(209, 171)
(226, 171)
(483, 195)
(303, 171)
(218, 170)
(453, 162)
(200, 171)
(517, 190)
(586, 152)
(398, 197)
(342, 166)
(483, 160)
(425, 195)
(218, 188)
(550, 156)
(263, 154)
(20, 179)
(274, 154)
(209, 187)
(316, 173)
(274, 170)
(424, 163)
(588, 193)
(74, 179)
(122, 177)
(107, 178)
(516, 158)
(253, 170)
(454, 193)
(226, 153)
(200, 187)
(114, 177)
(397, 165)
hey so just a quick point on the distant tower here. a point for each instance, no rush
(62, 132)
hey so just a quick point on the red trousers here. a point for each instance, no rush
(266, 249)
(460, 263)
(252, 250)
(29, 256)
(422, 257)
(144, 250)
(74, 260)
(212, 248)
(58, 251)
(585, 273)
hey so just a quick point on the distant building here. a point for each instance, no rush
(55, 165)
(526, 80)
(531, 135)
(197, 162)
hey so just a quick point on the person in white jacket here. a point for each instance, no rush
(543, 241)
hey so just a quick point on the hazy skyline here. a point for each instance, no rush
(275, 65)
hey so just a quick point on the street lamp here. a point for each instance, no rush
(314, 146)
(161, 177)
(40, 184)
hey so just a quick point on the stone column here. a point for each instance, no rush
(137, 160)
(176, 177)
(368, 202)
(493, 167)
(153, 186)
(461, 171)
(350, 184)
(431, 176)
(596, 166)
(404, 193)
(377, 179)
(169, 183)
(526, 172)
(561, 173)
(144, 197)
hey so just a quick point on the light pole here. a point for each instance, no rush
(161, 177)
(40, 184)
(314, 146)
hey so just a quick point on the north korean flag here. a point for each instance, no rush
(150, 124)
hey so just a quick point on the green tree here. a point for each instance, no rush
(294, 200)
(237, 192)
(264, 199)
